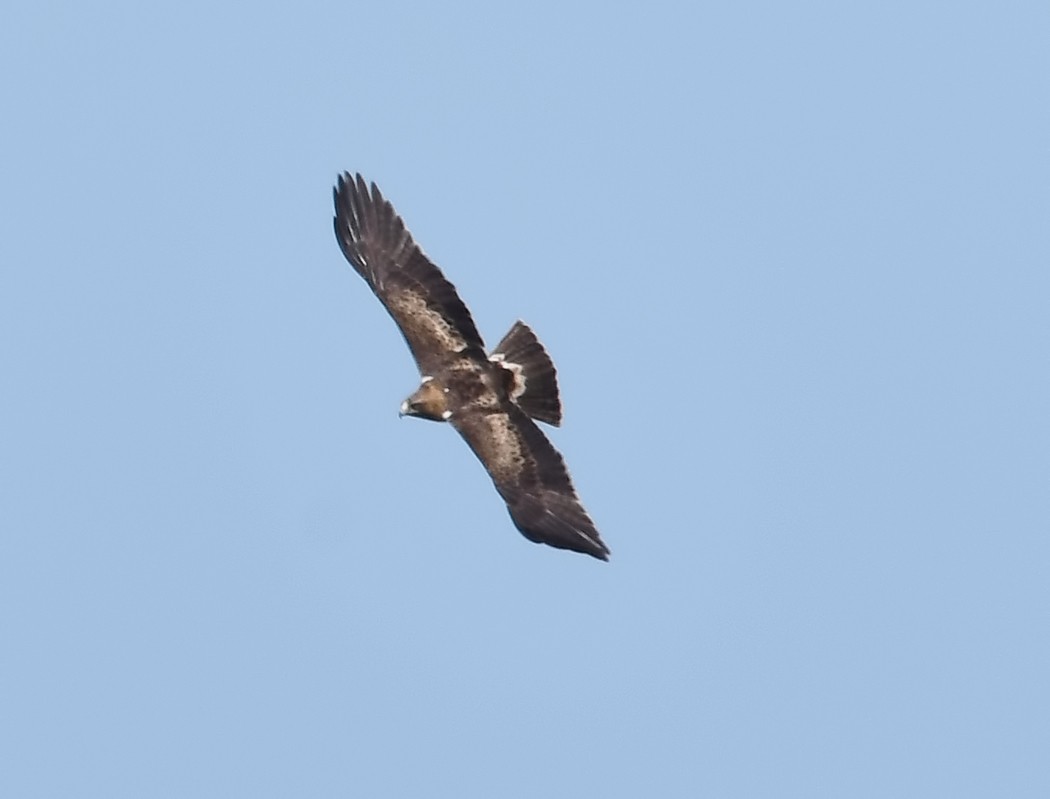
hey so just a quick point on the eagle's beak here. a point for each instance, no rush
(404, 410)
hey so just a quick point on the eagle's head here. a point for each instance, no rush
(430, 401)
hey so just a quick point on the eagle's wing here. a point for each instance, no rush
(530, 475)
(433, 319)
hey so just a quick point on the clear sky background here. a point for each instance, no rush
(793, 264)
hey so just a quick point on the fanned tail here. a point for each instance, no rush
(532, 380)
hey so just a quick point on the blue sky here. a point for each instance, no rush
(792, 263)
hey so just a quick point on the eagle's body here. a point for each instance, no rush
(491, 400)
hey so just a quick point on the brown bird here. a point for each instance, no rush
(491, 400)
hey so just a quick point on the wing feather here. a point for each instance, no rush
(530, 475)
(433, 319)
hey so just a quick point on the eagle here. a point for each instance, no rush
(490, 399)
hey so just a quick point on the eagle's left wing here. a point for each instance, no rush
(433, 319)
(530, 475)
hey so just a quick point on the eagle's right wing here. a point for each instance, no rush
(530, 475)
(433, 319)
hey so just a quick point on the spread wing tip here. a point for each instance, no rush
(367, 228)
(558, 521)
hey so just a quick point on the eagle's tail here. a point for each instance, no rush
(532, 381)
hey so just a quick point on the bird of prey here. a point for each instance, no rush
(491, 400)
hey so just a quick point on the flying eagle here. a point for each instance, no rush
(491, 400)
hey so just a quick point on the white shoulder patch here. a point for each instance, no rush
(519, 376)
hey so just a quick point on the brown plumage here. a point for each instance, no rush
(532, 380)
(488, 399)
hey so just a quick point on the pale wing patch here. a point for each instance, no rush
(424, 326)
(506, 456)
